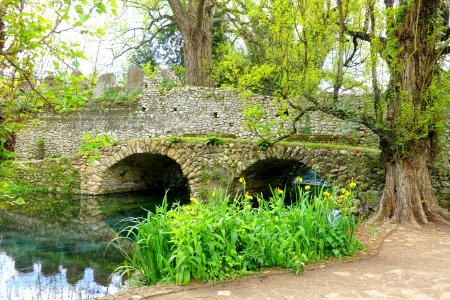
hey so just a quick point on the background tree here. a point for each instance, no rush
(197, 22)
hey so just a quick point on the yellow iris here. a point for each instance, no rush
(279, 191)
(299, 179)
(193, 200)
(307, 187)
(248, 196)
(352, 184)
(242, 180)
(326, 194)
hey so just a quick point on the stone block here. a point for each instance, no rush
(135, 78)
(104, 82)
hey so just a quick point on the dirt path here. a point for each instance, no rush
(407, 264)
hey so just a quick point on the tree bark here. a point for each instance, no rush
(408, 195)
(198, 57)
(195, 24)
(408, 155)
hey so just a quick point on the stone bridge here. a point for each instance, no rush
(199, 167)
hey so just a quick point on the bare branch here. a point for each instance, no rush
(352, 116)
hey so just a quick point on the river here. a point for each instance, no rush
(58, 247)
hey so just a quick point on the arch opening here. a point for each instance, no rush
(149, 174)
(279, 173)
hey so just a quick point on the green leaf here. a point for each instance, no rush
(100, 31)
(19, 201)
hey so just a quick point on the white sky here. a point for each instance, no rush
(99, 51)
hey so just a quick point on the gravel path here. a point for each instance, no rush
(407, 263)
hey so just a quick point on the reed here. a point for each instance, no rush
(226, 236)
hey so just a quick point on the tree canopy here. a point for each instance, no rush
(311, 65)
(30, 31)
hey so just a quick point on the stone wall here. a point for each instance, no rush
(49, 175)
(160, 112)
(207, 167)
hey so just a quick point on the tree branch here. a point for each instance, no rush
(179, 13)
(352, 116)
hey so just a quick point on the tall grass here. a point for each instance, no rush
(225, 237)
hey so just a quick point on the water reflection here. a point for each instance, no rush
(57, 248)
(36, 285)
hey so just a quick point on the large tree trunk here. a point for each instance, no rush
(409, 152)
(408, 195)
(195, 24)
(198, 58)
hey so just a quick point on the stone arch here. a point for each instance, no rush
(145, 171)
(138, 165)
(272, 172)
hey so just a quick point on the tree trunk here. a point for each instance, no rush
(408, 195)
(409, 152)
(198, 58)
(195, 24)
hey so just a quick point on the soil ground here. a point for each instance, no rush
(399, 262)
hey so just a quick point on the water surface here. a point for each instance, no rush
(57, 247)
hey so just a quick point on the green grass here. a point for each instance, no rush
(227, 237)
(227, 140)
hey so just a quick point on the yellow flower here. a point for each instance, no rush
(193, 200)
(326, 194)
(279, 191)
(248, 196)
(299, 179)
(242, 180)
(248, 206)
(341, 196)
(352, 184)
(307, 187)
(213, 194)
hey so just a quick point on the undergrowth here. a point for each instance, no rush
(227, 237)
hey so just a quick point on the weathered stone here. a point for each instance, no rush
(135, 78)
(104, 82)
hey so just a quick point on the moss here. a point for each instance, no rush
(55, 175)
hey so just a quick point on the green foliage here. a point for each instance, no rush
(174, 139)
(40, 144)
(91, 146)
(263, 144)
(114, 96)
(226, 237)
(27, 179)
(31, 31)
(228, 70)
(149, 69)
(214, 140)
(167, 83)
(179, 71)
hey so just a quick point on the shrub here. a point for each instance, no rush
(225, 236)
(91, 146)
(214, 140)
(115, 96)
(263, 144)
(167, 84)
(174, 139)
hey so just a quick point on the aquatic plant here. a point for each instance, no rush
(227, 236)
